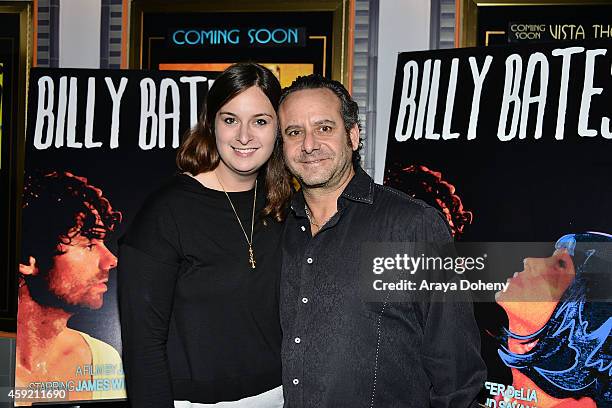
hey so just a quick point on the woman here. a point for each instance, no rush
(199, 265)
(559, 341)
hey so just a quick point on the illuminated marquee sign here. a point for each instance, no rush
(252, 37)
(558, 31)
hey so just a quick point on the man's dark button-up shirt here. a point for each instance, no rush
(340, 351)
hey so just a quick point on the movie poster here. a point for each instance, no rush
(98, 142)
(514, 145)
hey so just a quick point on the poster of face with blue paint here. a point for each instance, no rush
(513, 144)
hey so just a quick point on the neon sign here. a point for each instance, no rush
(262, 37)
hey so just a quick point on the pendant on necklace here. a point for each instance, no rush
(251, 257)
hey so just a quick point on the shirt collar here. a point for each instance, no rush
(298, 204)
(359, 189)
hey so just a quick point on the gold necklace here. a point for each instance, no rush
(249, 241)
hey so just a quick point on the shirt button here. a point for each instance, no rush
(309, 260)
(297, 340)
(296, 381)
(303, 228)
(304, 300)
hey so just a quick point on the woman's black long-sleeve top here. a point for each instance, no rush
(198, 323)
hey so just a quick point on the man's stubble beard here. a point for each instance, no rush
(41, 294)
(335, 178)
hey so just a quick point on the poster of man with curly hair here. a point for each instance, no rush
(98, 143)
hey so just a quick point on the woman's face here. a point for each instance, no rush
(245, 130)
(534, 292)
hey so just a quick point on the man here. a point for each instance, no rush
(338, 350)
(65, 269)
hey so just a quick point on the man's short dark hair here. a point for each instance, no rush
(57, 206)
(349, 110)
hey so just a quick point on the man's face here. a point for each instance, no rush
(79, 275)
(316, 147)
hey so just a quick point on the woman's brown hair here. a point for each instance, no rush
(198, 151)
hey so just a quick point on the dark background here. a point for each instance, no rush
(520, 190)
(9, 57)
